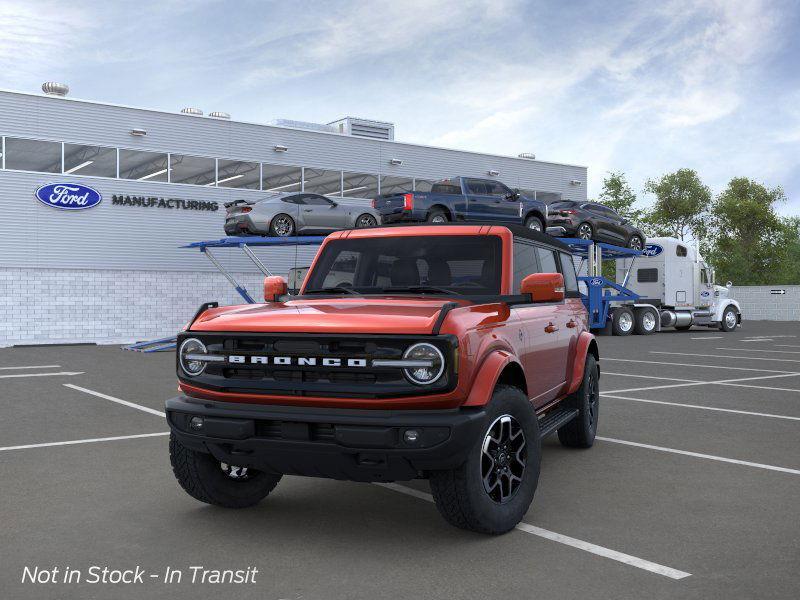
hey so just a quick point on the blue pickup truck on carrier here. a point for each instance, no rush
(463, 199)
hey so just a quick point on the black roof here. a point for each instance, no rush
(518, 231)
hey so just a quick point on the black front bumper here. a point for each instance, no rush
(357, 445)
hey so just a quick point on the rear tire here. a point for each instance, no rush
(366, 220)
(437, 215)
(646, 321)
(581, 431)
(636, 243)
(584, 232)
(534, 223)
(623, 321)
(282, 225)
(204, 478)
(729, 320)
(481, 495)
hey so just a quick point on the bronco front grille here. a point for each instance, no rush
(318, 379)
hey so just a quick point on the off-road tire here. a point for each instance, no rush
(723, 325)
(202, 477)
(459, 493)
(532, 220)
(619, 321)
(436, 215)
(581, 431)
(641, 324)
(272, 230)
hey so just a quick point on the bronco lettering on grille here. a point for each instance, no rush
(301, 361)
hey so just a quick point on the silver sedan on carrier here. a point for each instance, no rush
(291, 213)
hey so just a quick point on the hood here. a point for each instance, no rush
(720, 291)
(381, 314)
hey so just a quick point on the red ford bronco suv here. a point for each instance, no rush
(443, 352)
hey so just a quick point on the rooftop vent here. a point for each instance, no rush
(376, 130)
(51, 88)
(192, 111)
(219, 115)
(527, 155)
(303, 125)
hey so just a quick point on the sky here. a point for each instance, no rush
(639, 87)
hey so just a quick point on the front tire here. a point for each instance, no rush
(584, 232)
(581, 431)
(729, 320)
(493, 489)
(207, 480)
(635, 243)
(282, 225)
(534, 223)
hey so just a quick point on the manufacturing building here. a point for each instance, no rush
(115, 271)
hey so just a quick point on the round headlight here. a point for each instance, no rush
(426, 353)
(190, 348)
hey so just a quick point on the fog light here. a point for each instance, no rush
(196, 423)
(411, 436)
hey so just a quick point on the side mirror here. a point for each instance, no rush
(274, 287)
(334, 204)
(544, 287)
(511, 196)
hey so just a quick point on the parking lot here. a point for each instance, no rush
(691, 490)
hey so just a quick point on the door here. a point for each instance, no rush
(603, 226)
(479, 200)
(319, 213)
(503, 204)
(706, 288)
(544, 345)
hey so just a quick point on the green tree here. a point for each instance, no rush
(618, 195)
(750, 243)
(681, 205)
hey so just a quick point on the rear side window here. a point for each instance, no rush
(293, 200)
(525, 263)
(446, 186)
(547, 260)
(568, 270)
(647, 275)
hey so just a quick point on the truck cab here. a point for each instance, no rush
(440, 352)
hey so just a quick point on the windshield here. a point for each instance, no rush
(469, 265)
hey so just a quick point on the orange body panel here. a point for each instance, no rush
(544, 340)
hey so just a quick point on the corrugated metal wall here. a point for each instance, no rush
(125, 237)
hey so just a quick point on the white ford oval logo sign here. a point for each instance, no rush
(652, 250)
(596, 281)
(68, 196)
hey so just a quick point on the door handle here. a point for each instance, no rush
(550, 328)
(307, 210)
(572, 323)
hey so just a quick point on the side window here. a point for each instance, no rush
(445, 186)
(476, 186)
(525, 263)
(547, 260)
(681, 250)
(568, 270)
(495, 188)
(293, 200)
(647, 275)
(316, 200)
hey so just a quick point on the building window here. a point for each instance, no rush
(359, 185)
(194, 170)
(96, 161)
(144, 166)
(280, 178)
(423, 185)
(396, 185)
(33, 155)
(237, 174)
(321, 181)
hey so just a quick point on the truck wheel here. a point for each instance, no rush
(492, 490)
(206, 479)
(622, 323)
(729, 320)
(580, 432)
(437, 215)
(534, 223)
(645, 321)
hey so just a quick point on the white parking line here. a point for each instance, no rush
(724, 356)
(708, 337)
(655, 362)
(19, 375)
(152, 411)
(758, 350)
(627, 559)
(717, 382)
(787, 346)
(651, 377)
(86, 441)
(700, 455)
(758, 340)
(31, 367)
(714, 408)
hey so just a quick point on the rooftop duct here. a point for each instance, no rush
(376, 130)
(192, 111)
(219, 115)
(303, 125)
(527, 155)
(51, 88)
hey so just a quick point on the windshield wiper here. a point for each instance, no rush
(333, 290)
(420, 289)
